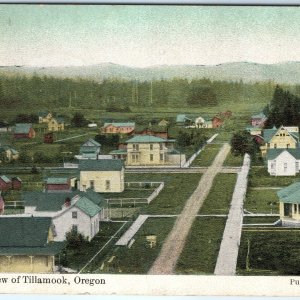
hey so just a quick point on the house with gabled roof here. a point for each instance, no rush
(102, 175)
(27, 244)
(57, 184)
(118, 127)
(259, 120)
(56, 124)
(24, 131)
(279, 138)
(289, 205)
(5, 183)
(89, 150)
(283, 162)
(8, 153)
(79, 211)
(148, 150)
(44, 116)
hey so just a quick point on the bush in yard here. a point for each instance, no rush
(75, 239)
(79, 120)
(242, 143)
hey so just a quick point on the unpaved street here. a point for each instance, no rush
(173, 245)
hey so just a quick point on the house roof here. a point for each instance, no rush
(88, 206)
(148, 139)
(290, 194)
(57, 180)
(24, 231)
(274, 153)
(43, 113)
(259, 116)
(101, 165)
(5, 179)
(269, 133)
(91, 143)
(182, 118)
(23, 127)
(119, 151)
(120, 124)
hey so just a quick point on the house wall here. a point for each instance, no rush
(116, 179)
(58, 187)
(87, 226)
(54, 126)
(114, 129)
(4, 186)
(258, 122)
(281, 142)
(277, 166)
(176, 159)
(27, 264)
(294, 219)
(144, 154)
(16, 184)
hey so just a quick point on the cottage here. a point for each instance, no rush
(182, 120)
(280, 138)
(49, 138)
(44, 116)
(57, 184)
(90, 150)
(216, 122)
(29, 246)
(148, 150)
(5, 183)
(118, 127)
(289, 205)
(259, 120)
(101, 176)
(8, 154)
(283, 162)
(16, 183)
(24, 131)
(56, 124)
(201, 122)
(163, 123)
(79, 211)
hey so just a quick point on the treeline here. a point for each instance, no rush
(284, 109)
(120, 95)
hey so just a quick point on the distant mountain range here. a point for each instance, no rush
(287, 72)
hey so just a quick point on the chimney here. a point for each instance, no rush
(67, 202)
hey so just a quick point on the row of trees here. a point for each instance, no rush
(120, 95)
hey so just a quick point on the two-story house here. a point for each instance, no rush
(89, 150)
(281, 138)
(44, 116)
(24, 131)
(148, 150)
(259, 120)
(56, 124)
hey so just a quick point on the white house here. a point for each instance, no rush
(283, 162)
(74, 210)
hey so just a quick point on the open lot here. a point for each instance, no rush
(201, 250)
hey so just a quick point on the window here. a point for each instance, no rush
(151, 157)
(161, 157)
(74, 214)
(75, 228)
(135, 147)
(161, 146)
(295, 208)
(107, 185)
(151, 146)
(297, 166)
(134, 157)
(275, 146)
(285, 167)
(92, 184)
(272, 166)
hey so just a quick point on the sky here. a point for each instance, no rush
(140, 36)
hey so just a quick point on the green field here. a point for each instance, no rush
(207, 155)
(201, 250)
(233, 161)
(259, 220)
(139, 258)
(262, 201)
(220, 195)
(171, 200)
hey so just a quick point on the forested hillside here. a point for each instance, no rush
(121, 95)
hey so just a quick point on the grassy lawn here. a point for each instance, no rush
(130, 193)
(233, 161)
(171, 200)
(270, 252)
(202, 247)
(262, 201)
(259, 176)
(77, 258)
(220, 195)
(139, 258)
(207, 155)
(259, 220)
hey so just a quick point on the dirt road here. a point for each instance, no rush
(173, 245)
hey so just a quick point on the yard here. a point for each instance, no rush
(220, 195)
(233, 161)
(262, 201)
(77, 257)
(171, 200)
(139, 258)
(201, 250)
(272, 252)
(207, 155)
(260, 220)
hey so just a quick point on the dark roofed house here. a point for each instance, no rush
(16, 183)
(24, 131)
(5, 183)
(29, 248)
